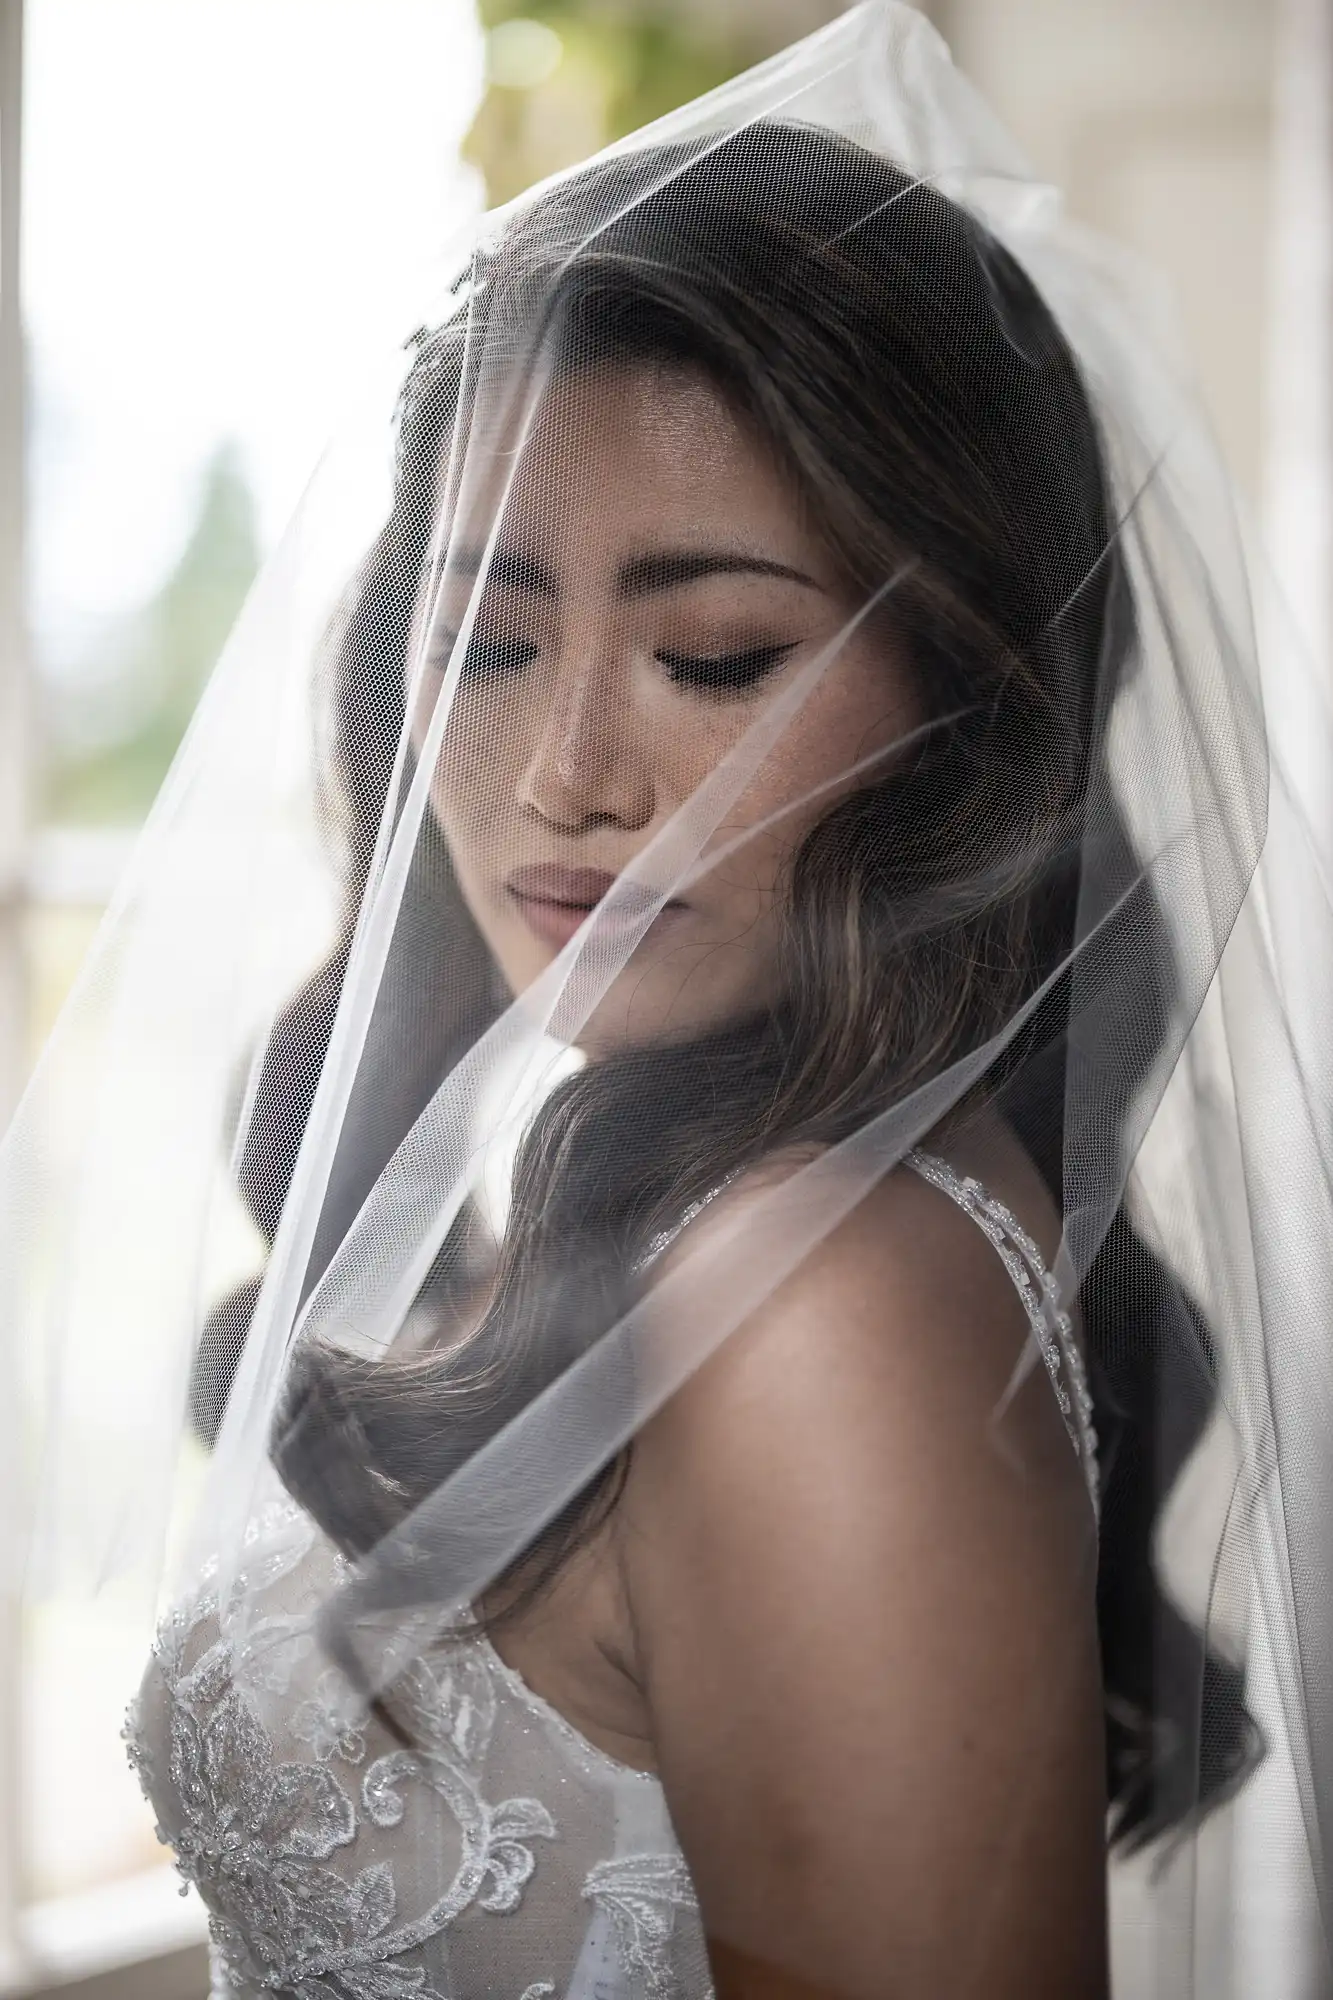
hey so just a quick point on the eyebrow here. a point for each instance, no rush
(641, 576)
(508, 570)
(670, 568)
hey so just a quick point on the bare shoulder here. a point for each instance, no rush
(901, 1323)
(859, 1568)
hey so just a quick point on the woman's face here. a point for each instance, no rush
(653, 584)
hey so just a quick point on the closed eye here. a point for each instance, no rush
(487, 658)
(724, 673)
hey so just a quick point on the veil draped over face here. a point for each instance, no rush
(523, 888)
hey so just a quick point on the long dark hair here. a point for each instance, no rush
(922, 398)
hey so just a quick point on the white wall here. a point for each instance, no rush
(1155, 117)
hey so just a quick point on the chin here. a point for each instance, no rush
(643, 1011)
(672, 994)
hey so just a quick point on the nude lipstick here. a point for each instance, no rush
(553, 901)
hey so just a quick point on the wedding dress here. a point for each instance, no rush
(763, 688)
(504, 1854)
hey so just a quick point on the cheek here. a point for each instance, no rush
(844, 739)
(858, 715)
(680, 736)
(834, 747)
(477, 768)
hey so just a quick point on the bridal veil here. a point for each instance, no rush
(295, 1115)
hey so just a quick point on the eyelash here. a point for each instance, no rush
(485, 658)
(725, 673)
(721, 673)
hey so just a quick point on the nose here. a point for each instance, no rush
(590, 767)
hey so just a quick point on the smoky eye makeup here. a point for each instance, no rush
(495, 655)
(724, 672)
(497, 646)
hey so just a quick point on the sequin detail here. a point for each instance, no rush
(663, 1240)
(1037, 1287)
(641, 1893)
(290, 1831)
(260, 1834)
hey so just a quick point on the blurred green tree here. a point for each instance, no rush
(112, 738)
(567, 76)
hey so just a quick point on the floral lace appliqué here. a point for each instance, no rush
(262, 1837)
(641, 1893)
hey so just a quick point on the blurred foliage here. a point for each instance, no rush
(565, 78)
(597, 69)
(112, 735)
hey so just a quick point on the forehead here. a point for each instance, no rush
(629, 458)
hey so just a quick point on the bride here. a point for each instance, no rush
(688, 1485)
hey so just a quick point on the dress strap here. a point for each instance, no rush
(1036, 1286)
(659, 1244)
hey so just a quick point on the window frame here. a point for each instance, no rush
(130, 1940)
(14, 733)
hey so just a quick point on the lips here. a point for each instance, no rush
(549, 883)
(554, 901)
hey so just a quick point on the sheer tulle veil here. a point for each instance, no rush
(295, 1114)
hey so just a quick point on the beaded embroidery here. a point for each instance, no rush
(1051, 1325)
(269, 1832)
(269, 1837)
(1036, 1286)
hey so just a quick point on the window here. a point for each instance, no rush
(215, 212)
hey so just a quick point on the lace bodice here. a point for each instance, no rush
(503, 1857)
